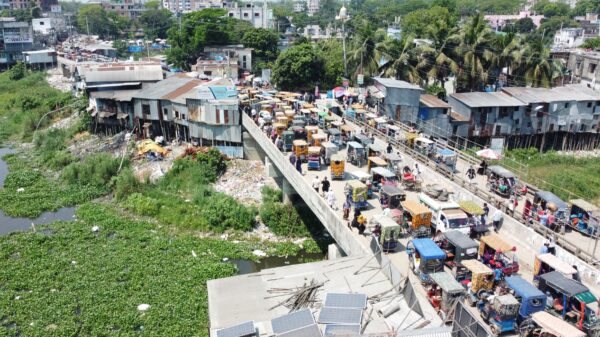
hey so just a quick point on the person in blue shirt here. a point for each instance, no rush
(544, 248)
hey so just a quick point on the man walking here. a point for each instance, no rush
(331, 199)
(316, 183)
(496, 220)
(471, 174)
(325, 185)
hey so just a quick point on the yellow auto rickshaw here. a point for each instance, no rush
(481, 278)
(337, 167)
(290, 115)
(310, 131)
(356, 193)
(417, 218)
(279, 128)
(376, 162)
(300, 148)
(283, 120)
(493, 248)
(347, 133)
(318, 138)
(410, 138)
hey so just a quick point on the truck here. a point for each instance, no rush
(446, 215)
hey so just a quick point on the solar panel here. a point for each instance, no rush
(340, 316)
(346, 300)
(307, 331)
(295, 320)
(240, 330)
(342, 329)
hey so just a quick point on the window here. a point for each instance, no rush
(592, 68)
(516, 109)
(226, 116)
(183, 116)
(256, 14)
(245, 15)
(218, 116)
(146, 110)
(244, 58)
(582, 127)
(166, 112)
(176, 114)
(230, 15)
(41, 23)
(589, 105)
(208, 73)
(566, 105)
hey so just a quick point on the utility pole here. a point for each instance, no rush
(87, 24)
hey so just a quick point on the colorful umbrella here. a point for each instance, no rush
(489, 154)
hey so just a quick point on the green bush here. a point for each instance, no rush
(96, 170)
(50, 140)
(271, 194)
(282, 219)
(126, 183)
(17, 72)
(220, 212)
(22, 178)
(60, 159)
(214, 159)
(142, 205)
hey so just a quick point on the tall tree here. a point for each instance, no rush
(299, 67)
(536, 66)
(505, 48)
(156, 22)
(401, 61)
(263, 41)
(364, 55)
(473, 54)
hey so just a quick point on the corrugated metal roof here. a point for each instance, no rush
(127, 73)
(393, 83)
(433, 102)
(487, 99)
(164, 87)
(431, 332)
(184, 89)
(117, 95)
(543, 95)
(458, 117)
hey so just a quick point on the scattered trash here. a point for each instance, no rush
(143, 307)
(17, 298)
(194, 254)
(244, 180)
(259, 252)
(73, 262)
(20, 189)
(225, 259)
(95, 229)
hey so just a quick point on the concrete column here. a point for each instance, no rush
(334, 252)
(288, 191)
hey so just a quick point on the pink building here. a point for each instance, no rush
(499, 21)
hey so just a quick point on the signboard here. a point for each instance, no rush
(360, 79)
(18, 39)
(497, 144)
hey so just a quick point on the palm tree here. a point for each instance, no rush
(472, 53)
(506, 49)
(536, 66)
(364, 53)
(439, 53)
(401, 59)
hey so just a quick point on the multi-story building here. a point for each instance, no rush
(298, 7)
(260, 16)
(131, 9)
(583, 66)
(224, 61)
(499, 21)
(399, 100)
(312, 7)
(48, 25)
(567, 38)
(178, 6)
(15, 38)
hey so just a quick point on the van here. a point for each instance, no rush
(446, 215)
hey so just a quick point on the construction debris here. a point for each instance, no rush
(244, 180)
(300, 297)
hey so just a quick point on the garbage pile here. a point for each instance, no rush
(243, 180)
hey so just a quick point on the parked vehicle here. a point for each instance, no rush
(498, 254)
(362, 139)
(393, 130)
(409, 180)
(424, 146)
(375, 162)
(474, 213)
(444, 293)
(543, 324)
(314, 158)
(347, 133)
(584, 217)
(300, 148)
(545, 199)
(282, 120)
(572, 301)
(459, 247)
(357, 194)
(546, 263)
(364, 178)
(279, 128)
(501, 181)
(288, 140)
(374, 150)
(446, 158)
(417, 218)
(299, 132)
(391, 196)
(310, 131)
(390, 233)
(318, 139)
(381, 177)
(500, 312)
(328, 149)
(335, 136)
(531, 298)
(355, 154)
(337, 167)
(481, 280)
(447, 215)
(424, 258)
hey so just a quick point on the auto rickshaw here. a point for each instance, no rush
(381, 124)
(417, 218)
(300, 148)
(299, 121)
(394, 163)
(290, 115)
(318, 139)
(305, 113)
(375, 162)
(328, 122)
(335, 136)
(498, 254)
(364, 178)
(531, 298)
(310, 131)
(337, 167)
(572, 301)
(389, 232)
(375, 150)
(409, 180)
(362, 139)
(288, 140)
(283, 120)
(356, 193)
(299, 132)
(355, 154)
(410, 138)
(584, 217)
(500, 312)
(474, 213)
(481, 278)
(446, 158)
(543, 324)
(424, 258)
(391, 196)
(458, 247)
(328, 149)
(546, 198)
(279, 128)
(314, 158)
(381, 177)
(347, 133)
(444, 292)
(424, 146)
(393, 130)
(545, 263)
(501, 181)
(322, 115)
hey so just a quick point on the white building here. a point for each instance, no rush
(298, 7)
(568, 38)
(178, 6)
(47, 26)
(312, 7)
(260, 16)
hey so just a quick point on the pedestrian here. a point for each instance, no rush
(544, 248)
(471, 173)
(253, 114)
(486, 212)
(552, 246)
(299, 165)
(331, 199)
(496, 220)
(576, 276)
(325, 185)
(511, 205)
(293, 158)
(417, 169)
(346, 208)
(316, 183)
(389, 148)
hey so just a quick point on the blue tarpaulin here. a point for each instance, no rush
(423, 113)
(445, 152)
(135, 49)
(428, 249)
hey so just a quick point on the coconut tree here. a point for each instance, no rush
(505, 48)
(364, 53)
(401, 61)
(536, 65)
